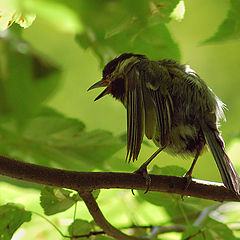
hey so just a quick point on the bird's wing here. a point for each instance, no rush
(156, 80)
(149, 112)
(135, 115)
(149, 106)
(164, 109)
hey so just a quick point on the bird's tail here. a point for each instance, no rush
(228, 173)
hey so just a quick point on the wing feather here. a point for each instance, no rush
(135, 118)
(149, 108)
(129, 125)
(156, 80)
(164, 111)
(150, 113)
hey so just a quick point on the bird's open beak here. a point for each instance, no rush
(101, 83)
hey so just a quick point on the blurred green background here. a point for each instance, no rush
(53, 34)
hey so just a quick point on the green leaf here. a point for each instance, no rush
(138, 8)
(179, 11)
(230, 28)
(11, 14)
(154, 40)
(26, 79)
(55, 200)
(194, 233)
(51, 139)
(53, 126)
(218, 230)
(80, 227)
(12, 216)
(165, 9)
(114, 15)
(210, 229)
(170, 170)
(175, 205)
(117, 29)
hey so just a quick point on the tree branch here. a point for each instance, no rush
(100, 219)
(88, 181)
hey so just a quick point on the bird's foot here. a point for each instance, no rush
(188, 177)
(144, 173)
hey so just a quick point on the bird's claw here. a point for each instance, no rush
(143, 172)
(188, 177)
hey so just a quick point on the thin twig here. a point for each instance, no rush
(166, 229)
(67, 236)
(46, 219)
(101, 221)
(205, 213)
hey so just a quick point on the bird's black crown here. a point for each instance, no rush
(111, 66)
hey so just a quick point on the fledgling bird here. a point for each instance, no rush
(173, 106)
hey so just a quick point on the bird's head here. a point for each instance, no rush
(114, 75)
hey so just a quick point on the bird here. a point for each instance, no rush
(172, 106)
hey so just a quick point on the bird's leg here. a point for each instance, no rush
(188, 174)
(143, 169)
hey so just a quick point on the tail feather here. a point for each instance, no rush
(228, 173)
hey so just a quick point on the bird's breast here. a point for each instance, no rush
(184, 139)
